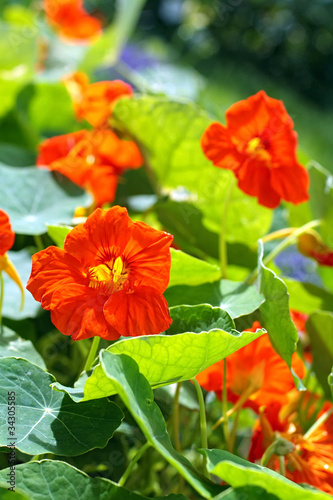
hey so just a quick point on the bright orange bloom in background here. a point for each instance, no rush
(108, 280)
(259, 145)
(256, 374)
(7, 237)
(310, 460)
(93, 160)
(71, 20)
(311, 245)
(94, 102)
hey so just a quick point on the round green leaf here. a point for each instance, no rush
(47, 421)
(34, 197)
(11, 345)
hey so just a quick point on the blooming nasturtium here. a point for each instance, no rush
(108, 280)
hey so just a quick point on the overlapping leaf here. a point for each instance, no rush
(35, 197)
(164, 359)
(60, 481)
(11, 345)
(47, 421)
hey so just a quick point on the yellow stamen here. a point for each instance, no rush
(117, 269)
(254, 145)
(9, 268)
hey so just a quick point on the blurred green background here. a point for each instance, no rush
(214, 52)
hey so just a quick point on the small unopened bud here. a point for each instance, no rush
(283, 447)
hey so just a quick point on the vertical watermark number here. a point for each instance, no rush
(11, 439)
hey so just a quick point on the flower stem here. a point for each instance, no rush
(39, 242)
(203, 423)
(282, 246)
(269, 452)
(282, 466)
(1, 300)
(234, 430)
(92, 353)
(222, 240)
(132, 464)
(225, 407)
(318, 422)
(176, 418)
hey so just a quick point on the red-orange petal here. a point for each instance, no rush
(52, 268)
(7, 236)
(103, 236)
(148, 254)
(291, 182)
(254, 178)
(218, 146)
(143, 311)
(58, 147)
(102, 183)
(77, 310)
(117, 152)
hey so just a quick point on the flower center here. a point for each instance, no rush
(110, 276)
(256, 147)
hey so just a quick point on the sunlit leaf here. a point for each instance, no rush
(275, 310)
(137, 395)
(236, 298)
(164, 359)
(58, 234)
(320, 329)
(187, 270)
(239, 473)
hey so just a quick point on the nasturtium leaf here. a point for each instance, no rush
(170, 134)
(56, 480)
(237, 298)
(12, 293)
(275, 310)
(200, 318)
(6, 494)
(239, 473)
(16, 156)
(50, 109)
(11, 345)
(137, 395)
(307, 298)
(164, 359)
(320, 329)
(58, 234)
(246, 493)
(47, 421)
(34, 197)
(187, 270)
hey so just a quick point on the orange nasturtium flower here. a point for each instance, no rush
(311, 245)
(108, 280)
(256, 374)
(93, 160)
(309, 459)
(7, 237)
(94, 102)
(71, 20)
(259, 145)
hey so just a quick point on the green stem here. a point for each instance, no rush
(234, 430)
(318, 422)
(282, 246)
(39, 242)
(282, 466)
(1, 299)
(222, 240)
(132, 464)
(203, 423)
(225, 406)
(176, 418)
(269, 452)
(92, 353)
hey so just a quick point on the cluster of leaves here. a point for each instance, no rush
(79, 438)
